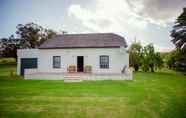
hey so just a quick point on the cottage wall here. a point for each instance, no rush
(117, 59)
(25, 53)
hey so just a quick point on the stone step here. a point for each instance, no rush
(72, 78)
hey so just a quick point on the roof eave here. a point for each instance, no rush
(79, 47)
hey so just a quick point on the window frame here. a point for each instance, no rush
(104, 64)
(54, 62)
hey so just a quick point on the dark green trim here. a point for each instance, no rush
(27, 63)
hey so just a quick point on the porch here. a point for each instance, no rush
(76, 76)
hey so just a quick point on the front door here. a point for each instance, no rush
(80, 63)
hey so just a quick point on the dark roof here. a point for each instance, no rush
(90, 40)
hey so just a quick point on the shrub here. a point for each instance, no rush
(7, 61)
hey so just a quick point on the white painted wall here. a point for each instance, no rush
(25, 53)
(117, 59)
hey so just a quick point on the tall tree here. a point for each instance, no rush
(176, 60)
(158, 60)
(179, 31)
(135, 55)
(9, 46)
(32, 35)
(150, 58)
(29, 35)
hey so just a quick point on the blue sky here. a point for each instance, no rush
(150, 21)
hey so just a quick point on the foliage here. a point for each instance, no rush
(144, 57)
(158, 60)
(179, 31)
(170, 59)
(135, 55)
(150, 59)
(29, 35)
(9, 46)
(32, 35)
(176, 60)
(7, 61)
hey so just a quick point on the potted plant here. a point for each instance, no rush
(71, 68)
(88, 69)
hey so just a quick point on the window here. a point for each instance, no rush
(56, 61)
(104, 61)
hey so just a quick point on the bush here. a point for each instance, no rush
(176, 60)
(7, 61)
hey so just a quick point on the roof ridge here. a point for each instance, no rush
(86, 33)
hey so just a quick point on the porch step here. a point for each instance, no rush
(72, 78)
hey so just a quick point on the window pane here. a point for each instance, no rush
(104, 61)
(56, 61)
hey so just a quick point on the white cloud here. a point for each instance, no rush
(127, 13)
(130, 18)
(110, 16)
(159, 12)
(116, 13)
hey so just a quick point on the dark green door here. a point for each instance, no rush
(28, 63)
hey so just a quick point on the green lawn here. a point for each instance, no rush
(149, 95)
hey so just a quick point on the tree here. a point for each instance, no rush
(158, 60)
(49, 33)
(176, 60)
(150, 59)
(32, 35)
(179, 31)
(29, 35)
(9, 46)
(170, 59)
(135, 55)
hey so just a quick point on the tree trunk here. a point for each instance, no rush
(152, 68)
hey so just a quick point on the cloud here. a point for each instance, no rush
(108, 16)
(158, 12)
(127, 13)
(130, 18)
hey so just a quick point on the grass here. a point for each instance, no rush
(149, 95)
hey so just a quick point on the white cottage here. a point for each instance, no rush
(93, 56)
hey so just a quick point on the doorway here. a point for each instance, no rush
(80, 63)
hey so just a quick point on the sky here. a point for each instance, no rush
(147, 21)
